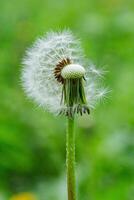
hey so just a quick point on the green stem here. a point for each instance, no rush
(70, 159)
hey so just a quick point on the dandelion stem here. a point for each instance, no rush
(70, 159)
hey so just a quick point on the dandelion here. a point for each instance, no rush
(57, 77)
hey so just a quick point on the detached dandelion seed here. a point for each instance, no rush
(56, 77)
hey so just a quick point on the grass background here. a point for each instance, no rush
(32, 142)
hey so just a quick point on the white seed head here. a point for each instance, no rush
(38, 70)
(73, 71)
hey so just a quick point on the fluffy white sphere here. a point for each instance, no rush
(38, 70)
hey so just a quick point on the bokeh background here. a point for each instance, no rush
(32, 142)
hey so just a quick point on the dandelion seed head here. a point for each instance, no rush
(43, 66)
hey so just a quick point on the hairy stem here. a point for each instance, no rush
(70, 159)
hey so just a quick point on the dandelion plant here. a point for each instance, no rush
(56, 75)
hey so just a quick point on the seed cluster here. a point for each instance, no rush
(51, 72)
(58, 69)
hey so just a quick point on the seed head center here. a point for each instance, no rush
(65, 69)
(72, 71)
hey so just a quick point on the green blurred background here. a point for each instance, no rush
(32, 142)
